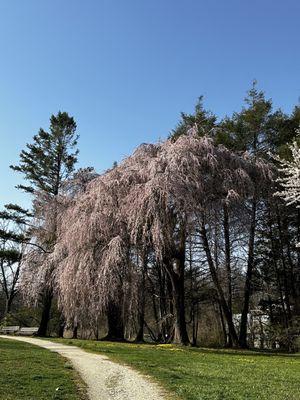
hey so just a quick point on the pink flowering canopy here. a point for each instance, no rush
(136, 206)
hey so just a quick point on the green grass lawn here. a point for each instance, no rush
(206, 374)
(30, 372)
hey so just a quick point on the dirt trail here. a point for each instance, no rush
(105, 379)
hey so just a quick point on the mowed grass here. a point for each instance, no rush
(30, 372)
(206, 374)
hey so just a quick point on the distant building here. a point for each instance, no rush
(257, 328)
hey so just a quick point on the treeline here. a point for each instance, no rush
(184, 241)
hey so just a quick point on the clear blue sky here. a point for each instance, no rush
(126, 68)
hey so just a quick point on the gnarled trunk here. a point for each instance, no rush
(141, 306)
(180, 331)
(47, 301)
(115, 323)
(175, 269)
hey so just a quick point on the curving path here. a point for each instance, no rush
(105, 379)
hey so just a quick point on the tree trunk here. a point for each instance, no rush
(157, 336)
(140, 334)
(61, 328)
(8, 303)
(75, 332)
(180, 331)
(223, 303)
(248, 281)
(228, 264)
(141, 310)
(47, 301)
(194, 320)
(176, 275)
(10, 292)
(227, 257)
(115, 323)
(194, 307)
(162, 306)
(225, 336)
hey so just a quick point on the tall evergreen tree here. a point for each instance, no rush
(202, 120)
(248, 131)
(45, 164)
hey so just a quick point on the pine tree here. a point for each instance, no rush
(202, 120)
(45, 164)
(50, 159)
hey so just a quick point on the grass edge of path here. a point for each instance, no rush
(167, 393)
(130, 354)
(35, 371)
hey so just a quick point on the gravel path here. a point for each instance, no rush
(105, 379)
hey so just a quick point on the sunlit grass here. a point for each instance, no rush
(33, 373)
(207, 374)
